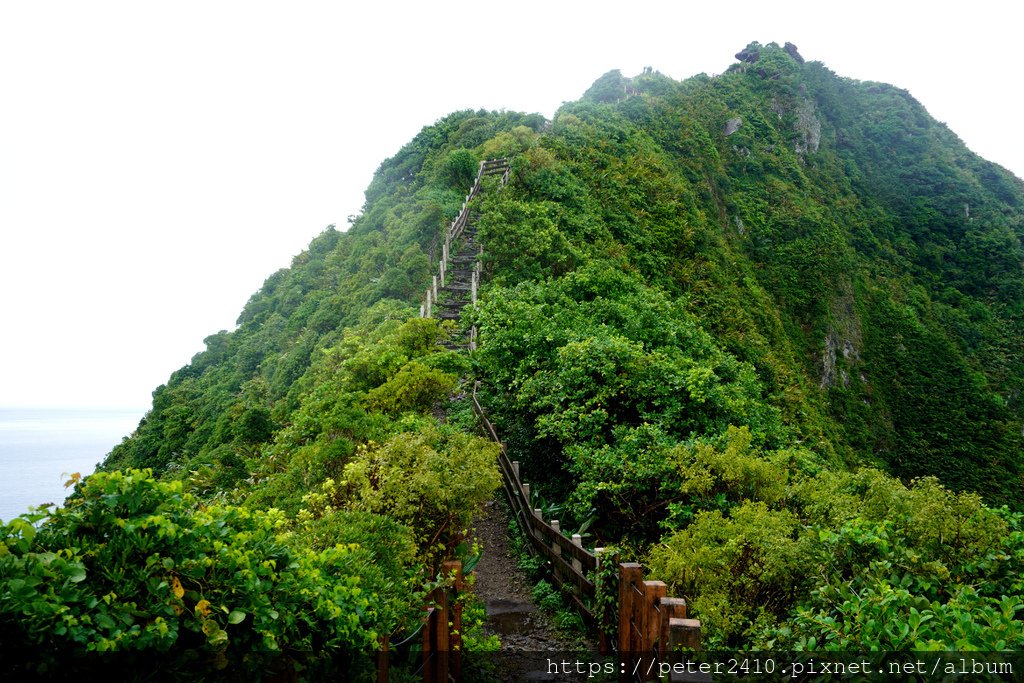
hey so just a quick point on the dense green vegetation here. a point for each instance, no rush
(762, 331)
(137, 567)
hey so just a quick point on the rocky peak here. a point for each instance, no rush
(791, 50)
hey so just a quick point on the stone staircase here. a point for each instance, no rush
(455, 285)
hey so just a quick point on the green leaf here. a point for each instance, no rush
(236, 616)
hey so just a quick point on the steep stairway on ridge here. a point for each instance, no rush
(500, 584)
(455, 285)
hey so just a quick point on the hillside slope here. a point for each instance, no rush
(743, 327)
(828, 232)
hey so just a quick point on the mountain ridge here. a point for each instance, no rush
(713, 313)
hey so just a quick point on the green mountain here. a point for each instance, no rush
(762, 331)
(827, 232)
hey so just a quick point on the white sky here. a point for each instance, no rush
(159, 160)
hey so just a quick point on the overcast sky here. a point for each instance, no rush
(159, 160)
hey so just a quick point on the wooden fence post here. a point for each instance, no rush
(436, 639)
(650, 625)
(430, 636)
(556, 549)
(629, 574)
(382, 660)
(604, 642)
(453, 568)
(684, 633)
(672, 609)
(577, 540)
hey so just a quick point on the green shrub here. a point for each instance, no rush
(432, 480)
(730, 568)
(415, 387)
(136, 565)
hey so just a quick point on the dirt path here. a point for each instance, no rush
(505, 590)
(528, 638)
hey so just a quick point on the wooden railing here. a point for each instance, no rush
(649, 625)
(455, 230)
(440, 633)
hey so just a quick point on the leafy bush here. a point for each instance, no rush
(383, 554)
(615, 374)
(733, 568)
(432, 480)
(849, 560)
(136, 565)
(414, 387)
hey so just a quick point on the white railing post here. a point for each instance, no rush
(435, 288)
(428, 302)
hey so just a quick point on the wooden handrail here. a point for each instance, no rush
(545, 539)
(650, 624)
(458, 226)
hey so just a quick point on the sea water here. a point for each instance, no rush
(41, 448)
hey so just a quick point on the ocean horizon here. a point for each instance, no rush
(41, 447)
